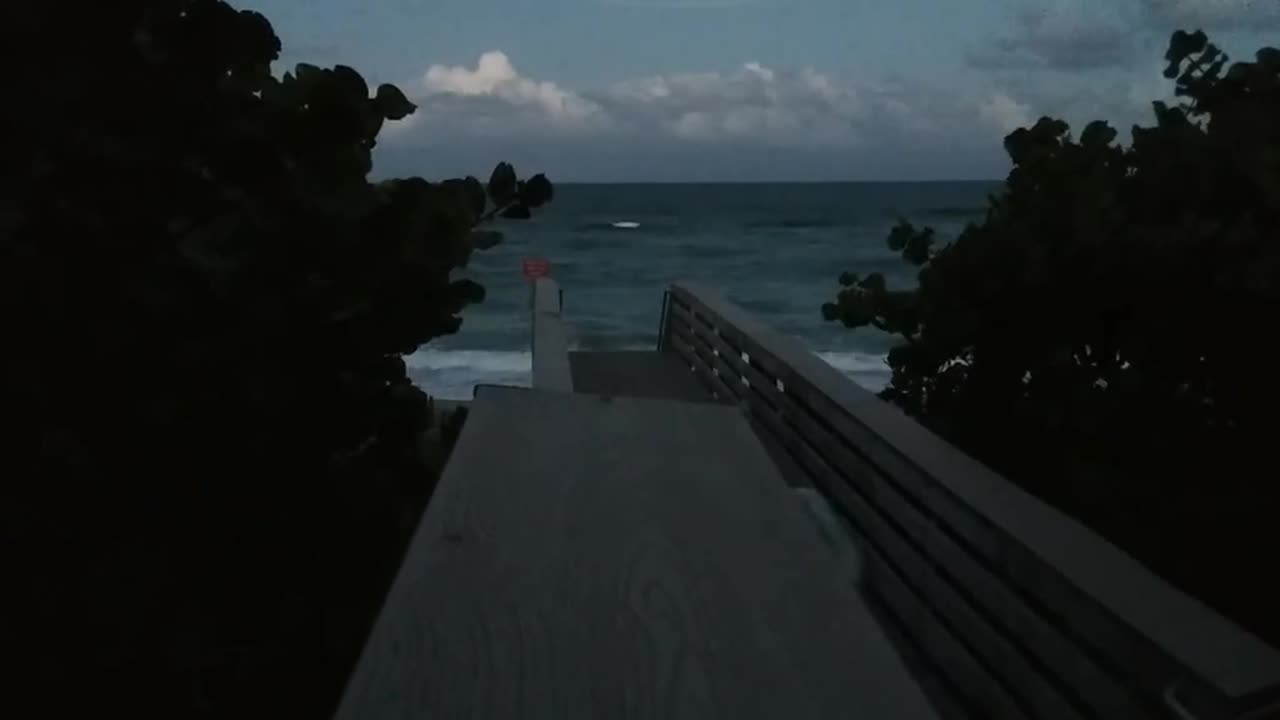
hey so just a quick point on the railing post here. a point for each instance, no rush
(663, 325)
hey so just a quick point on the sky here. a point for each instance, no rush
(749, 90)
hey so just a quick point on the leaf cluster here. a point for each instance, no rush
(206, 303)
(1100, 335)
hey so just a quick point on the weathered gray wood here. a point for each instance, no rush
(696, 355)
(960, 587)
(835, 532)
(621, 558)
(748, 387)
(728, 384)
(963, 668)
(635, 373)
(664, 334)
(732, 355)
(1145, 629)
(550, 339)
(1065, 660)
(706, 342)
(795, 475)
(922, 552)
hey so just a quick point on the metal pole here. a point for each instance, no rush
(662, 321)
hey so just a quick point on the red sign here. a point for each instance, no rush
(534, 268)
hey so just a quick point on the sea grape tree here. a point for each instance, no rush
(206, 302)
(1101, 336)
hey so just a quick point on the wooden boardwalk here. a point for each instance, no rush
(636, 373)
(592, 557)
(727, 527)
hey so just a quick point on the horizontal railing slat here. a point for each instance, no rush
(718, 360)
(1009, 660)
(1136, 624)
(731, 355)
(962, 590)
(965, 672)
(682, 339)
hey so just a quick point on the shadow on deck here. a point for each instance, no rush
(636, 373)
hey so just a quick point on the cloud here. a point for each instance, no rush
(753, 121)
(495, 77)
(1121, 99)
(1004, 112)
(1068, 35)
(491, 100)
(1078, 35)
(1212, 14)
(751, 105)
(681, 4)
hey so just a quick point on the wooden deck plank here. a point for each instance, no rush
(635, 373)
(592, 557)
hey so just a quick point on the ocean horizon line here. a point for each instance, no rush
(704, 183)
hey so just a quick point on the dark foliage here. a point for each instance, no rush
(214, 456)
(1101, 337)
(451, 426)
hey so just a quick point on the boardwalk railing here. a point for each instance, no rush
(1011, 608)
(550, 338)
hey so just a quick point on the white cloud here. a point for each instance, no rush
(1004, 112)
(751, 106)
(491, 100)
(495, 76)
(754, 102)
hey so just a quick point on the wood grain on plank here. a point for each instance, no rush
(587, 557)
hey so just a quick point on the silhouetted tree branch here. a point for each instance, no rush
(1101, 335)
(216, 455)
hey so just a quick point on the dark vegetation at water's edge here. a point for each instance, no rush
(214, 457)
(1100, 338)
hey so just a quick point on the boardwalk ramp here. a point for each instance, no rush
(591, 556)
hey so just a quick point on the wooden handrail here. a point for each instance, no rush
(944, 528)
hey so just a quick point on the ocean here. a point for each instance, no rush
(777, 250)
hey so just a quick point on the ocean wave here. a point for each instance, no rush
(957, 211)
(611, 340)
(616, 226)
(710, 252)
(801, 223)
(453, 374)
(762, 306)
(866, 369)
(587, 243)
(480, 360)
(855, 362)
